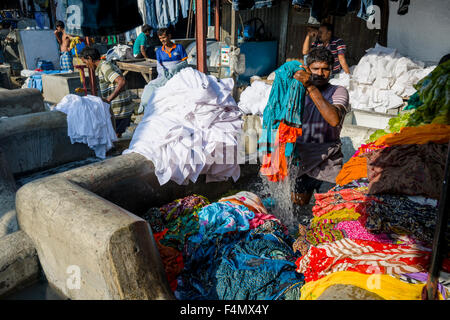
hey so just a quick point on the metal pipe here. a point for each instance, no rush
(200, 34)
(440, 244)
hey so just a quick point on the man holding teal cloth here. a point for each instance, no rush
(142, 47)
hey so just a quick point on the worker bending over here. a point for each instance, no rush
(113, 88)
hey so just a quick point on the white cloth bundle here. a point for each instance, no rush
(254, 98)
(381, 79)
(89, 122)
(190, 125)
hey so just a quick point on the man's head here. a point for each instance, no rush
(59, 26)
(146, 29)
(90, 56)
(164, 36)
(325, 32)
(320, 62)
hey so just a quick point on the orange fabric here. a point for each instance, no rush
(274, 165)
(353, 169)
(169, 50)
(437, 133)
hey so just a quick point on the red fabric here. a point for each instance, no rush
(172, 260)
(274, 165)
(337, 200)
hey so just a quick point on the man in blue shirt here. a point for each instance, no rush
(142, 47)
(169, 50)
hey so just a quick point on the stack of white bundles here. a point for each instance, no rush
(191, 126)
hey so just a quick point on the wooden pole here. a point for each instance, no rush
(217, 20)
(188, 29)
(91, 73)
(200, 34)
(440, 245)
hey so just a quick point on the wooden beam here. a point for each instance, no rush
(217, 20)
(282, 44)
(200, 34)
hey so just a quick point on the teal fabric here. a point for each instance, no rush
(141, 40)
(413, 102)
(285, 103)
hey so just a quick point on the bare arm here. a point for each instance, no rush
(120, 81)
(312, 33)
(343, 63)
(143, 52)
(328, 111)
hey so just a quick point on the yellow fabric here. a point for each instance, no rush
(437, 133)
(386, 286)
(337, 216)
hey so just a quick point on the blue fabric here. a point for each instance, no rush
(259, 269)
(222, 217)
(45, 65)
(175, 55)
(251, 4)
(184, 8)
(363, 12)
(150, 12)
(66, 61)
(208, 265)
(285, 103)
(35, 81)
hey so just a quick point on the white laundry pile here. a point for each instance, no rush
(381, 79)
(89, 122)
(191, 126)
(253, 99)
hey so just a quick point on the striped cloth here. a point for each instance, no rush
(122, 106)
(66, 61)
(362, 256)
(337, 47)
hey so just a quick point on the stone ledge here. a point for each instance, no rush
(19, 264)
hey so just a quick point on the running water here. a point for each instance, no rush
(280, 203)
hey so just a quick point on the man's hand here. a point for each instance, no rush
(106, 100)
(304, 77)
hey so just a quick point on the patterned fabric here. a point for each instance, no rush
(322, 233)
(407, 169)
(336, 216)
(362, 256)
(122, 105)
(66, 61)
(222, 217)
(337, 200)
(259, 269)
(248, 199)
(398, 214)
(355, 230)
(172, 260)
(198, 281)
(366, 148)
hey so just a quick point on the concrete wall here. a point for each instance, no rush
(20, 101)
(422, 33)
(38, 141)
(8, 221)
(88, 218)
